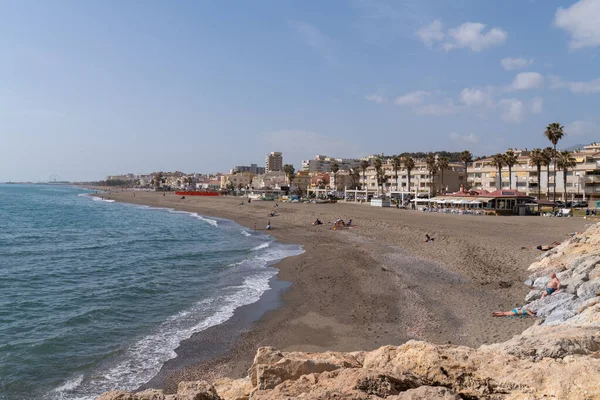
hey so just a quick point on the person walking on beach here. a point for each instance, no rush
(552, 286)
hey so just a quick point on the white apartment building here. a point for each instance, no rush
(584, 178)
(421, 180)
(323, 164)
(274, 162)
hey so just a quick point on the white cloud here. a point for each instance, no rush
(582, 21)
(537, 105)
(472, 97)
(588, 87)
(471, 35)
(514, 110)
(314, 38)
(431, 33)
(582, 128)
(375, 98)
(438, 109)
(412, 98)
(527, 80)
(470, 138)
(510, 64)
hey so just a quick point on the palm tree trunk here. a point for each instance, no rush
(554, 189)
(509, 177)
(408, 179)
(539, 171)
(442, 181)
(548, 182)
(499, 183)
(467, 177)
(565, 186)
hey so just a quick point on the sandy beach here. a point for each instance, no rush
(374, 284)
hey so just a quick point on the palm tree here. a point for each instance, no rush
(510, 159)
(409, 165)
(432, 167)
(565, 161)
(158, 180)
(378, 164)
(289, 171)
(554, 132)
(364, 164)
(442, 164)
(548, 155)
(396, 164)
(498, 162)
(334, 169)
(536, 158)
(466, 157)
(355, 177)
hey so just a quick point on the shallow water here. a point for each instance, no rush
(96, 295)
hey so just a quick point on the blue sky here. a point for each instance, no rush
(92, 88)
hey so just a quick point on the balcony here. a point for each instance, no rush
(592, 179)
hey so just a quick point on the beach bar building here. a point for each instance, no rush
(504, 202)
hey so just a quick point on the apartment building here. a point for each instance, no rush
(239, 181)
(421, 180)
(323, 164)
(583, 180)
(274, 162)
(252, 168)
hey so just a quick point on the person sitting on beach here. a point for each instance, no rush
(515, 312)
(349, 223)
(339, 222)
(317, 222)
(428, 238)
(269, 225)
(272, 214)
(552, 286)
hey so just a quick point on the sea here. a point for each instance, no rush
(96, 295)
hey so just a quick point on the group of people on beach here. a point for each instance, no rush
(338, 223)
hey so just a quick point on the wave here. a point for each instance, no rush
(144, 359)
(261, 246)
(101, 199)
(245, 233)
(201, 218)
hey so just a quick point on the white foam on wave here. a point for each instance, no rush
(245, 233)
(261, 246)
(201, 218)
(101, 199)
(69, 385)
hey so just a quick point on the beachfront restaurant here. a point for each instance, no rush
(505, 202)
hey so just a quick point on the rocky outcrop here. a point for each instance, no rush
(557, 358)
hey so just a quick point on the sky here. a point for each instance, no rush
(96, 88)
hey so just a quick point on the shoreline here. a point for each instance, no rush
(366, 287)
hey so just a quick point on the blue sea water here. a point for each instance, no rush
(96, 295)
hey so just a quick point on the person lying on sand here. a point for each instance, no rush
(573, 234)
(552, 286)
(317, 222)
(272, 214)
(515, 312)
(428, 238)
(543, 247)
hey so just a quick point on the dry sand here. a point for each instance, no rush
(377, 283)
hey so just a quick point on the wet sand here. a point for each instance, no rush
(374, 284)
